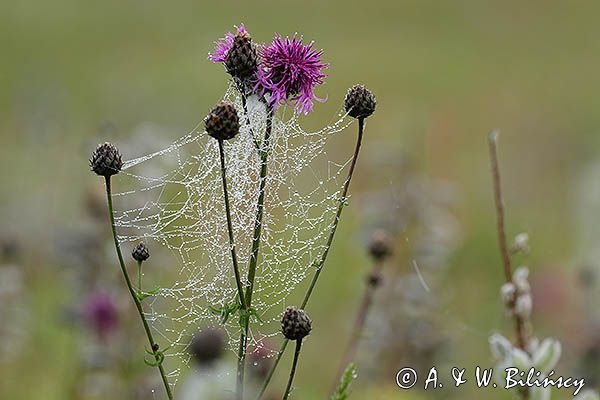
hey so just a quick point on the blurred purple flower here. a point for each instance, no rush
(101, 314)
(290, 71)
(223, 45)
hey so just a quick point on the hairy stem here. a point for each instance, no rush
(499, 201)
(361, 317)
(236, 269)
(319, 264)
(138, 305)
(293, 370)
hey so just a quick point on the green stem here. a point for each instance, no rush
(138, 305)
(236, 270)
(293, 370)
(139, 274)
(321, 261)
(272, 370)
(264, 155)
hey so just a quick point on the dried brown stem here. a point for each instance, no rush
(520, 325)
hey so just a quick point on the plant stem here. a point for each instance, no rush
(499, 201)
(258, 222)
(236, 270)
(245, 107)
(365, 306)
(293, 370)
(342, 200)
(273, 368)
(139, 273)
(138, 305)
(321, 261)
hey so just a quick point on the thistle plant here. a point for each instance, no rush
(282, 73)
(106, 161)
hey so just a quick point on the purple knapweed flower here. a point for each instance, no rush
(223, 45)
(290, 70)
(101, 315)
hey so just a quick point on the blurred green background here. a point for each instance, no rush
(445, 73)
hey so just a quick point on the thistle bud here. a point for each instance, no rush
(140, 252)
(222, 122)
(106, 160)
(359, 102)
(380, 246)
(295, 324)
(207, 346)
(241, 61)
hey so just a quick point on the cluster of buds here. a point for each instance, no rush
(516, 294)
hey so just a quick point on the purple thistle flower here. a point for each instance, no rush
(223, 45)
(290, 71)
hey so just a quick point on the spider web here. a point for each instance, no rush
(173, 199)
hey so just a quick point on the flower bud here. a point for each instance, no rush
(359, 102)
(507, 293)
(241, 61)
(380, 246)
(523, 306)
(295, 324)
(520, 279)
(106, 160)
(140, 252)
(207, 346)
(222, 122)
(521, 243)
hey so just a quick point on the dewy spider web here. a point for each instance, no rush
(174, 199)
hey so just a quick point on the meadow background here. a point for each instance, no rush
(74, 74)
